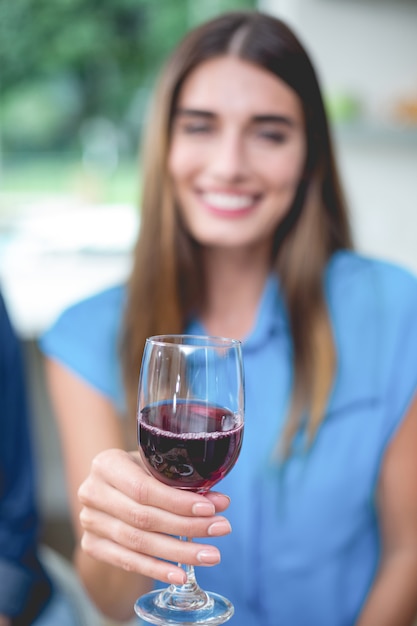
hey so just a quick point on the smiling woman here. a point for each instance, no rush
(244, 233)
(237, 153)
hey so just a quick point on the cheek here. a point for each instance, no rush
(182, 162)
(180, 169)
(174, 163)
(287, 171)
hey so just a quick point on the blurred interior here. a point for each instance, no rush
(68, 158)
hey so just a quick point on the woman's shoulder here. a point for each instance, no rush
(358, 279)
(107, 304)
(85, 338)
(97, 308)
(96, 316)
(373, 306)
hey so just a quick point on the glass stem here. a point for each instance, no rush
(191, 582)
(186, 597)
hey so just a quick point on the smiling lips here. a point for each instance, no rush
(230, 203)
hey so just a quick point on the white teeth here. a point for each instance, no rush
(227, 201)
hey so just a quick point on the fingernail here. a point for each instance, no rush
(208, 557)
(219, 500)
(220, 496)
(177, 578)
(219, 528)
(203, 508)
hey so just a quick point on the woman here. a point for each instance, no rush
(244, 233)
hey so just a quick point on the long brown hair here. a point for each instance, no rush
(166, 285)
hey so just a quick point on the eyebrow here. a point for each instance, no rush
(194, 113)
(267, 118)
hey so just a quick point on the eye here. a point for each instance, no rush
(195, 128)
(272, 136)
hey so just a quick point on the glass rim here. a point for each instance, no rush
(199, 341)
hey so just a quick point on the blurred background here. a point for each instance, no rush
(75, 79)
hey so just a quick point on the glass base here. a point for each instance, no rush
(174, 607)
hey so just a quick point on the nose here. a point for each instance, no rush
(230, 162)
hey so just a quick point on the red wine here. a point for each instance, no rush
(192, 446)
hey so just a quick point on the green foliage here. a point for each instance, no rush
(101, 53)
(36, 112)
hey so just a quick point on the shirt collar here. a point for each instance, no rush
(271, 317)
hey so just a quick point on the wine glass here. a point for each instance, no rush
(190, 428)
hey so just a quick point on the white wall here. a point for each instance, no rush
(369, 49)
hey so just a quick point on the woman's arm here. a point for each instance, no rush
(393, 598)
(123, 518)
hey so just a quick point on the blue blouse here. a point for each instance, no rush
(305, 544)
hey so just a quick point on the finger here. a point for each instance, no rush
(118, 505)
(220, 500)
(125, 473)
(114, 554)
(152, 544)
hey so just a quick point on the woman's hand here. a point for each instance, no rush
(133, 521)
